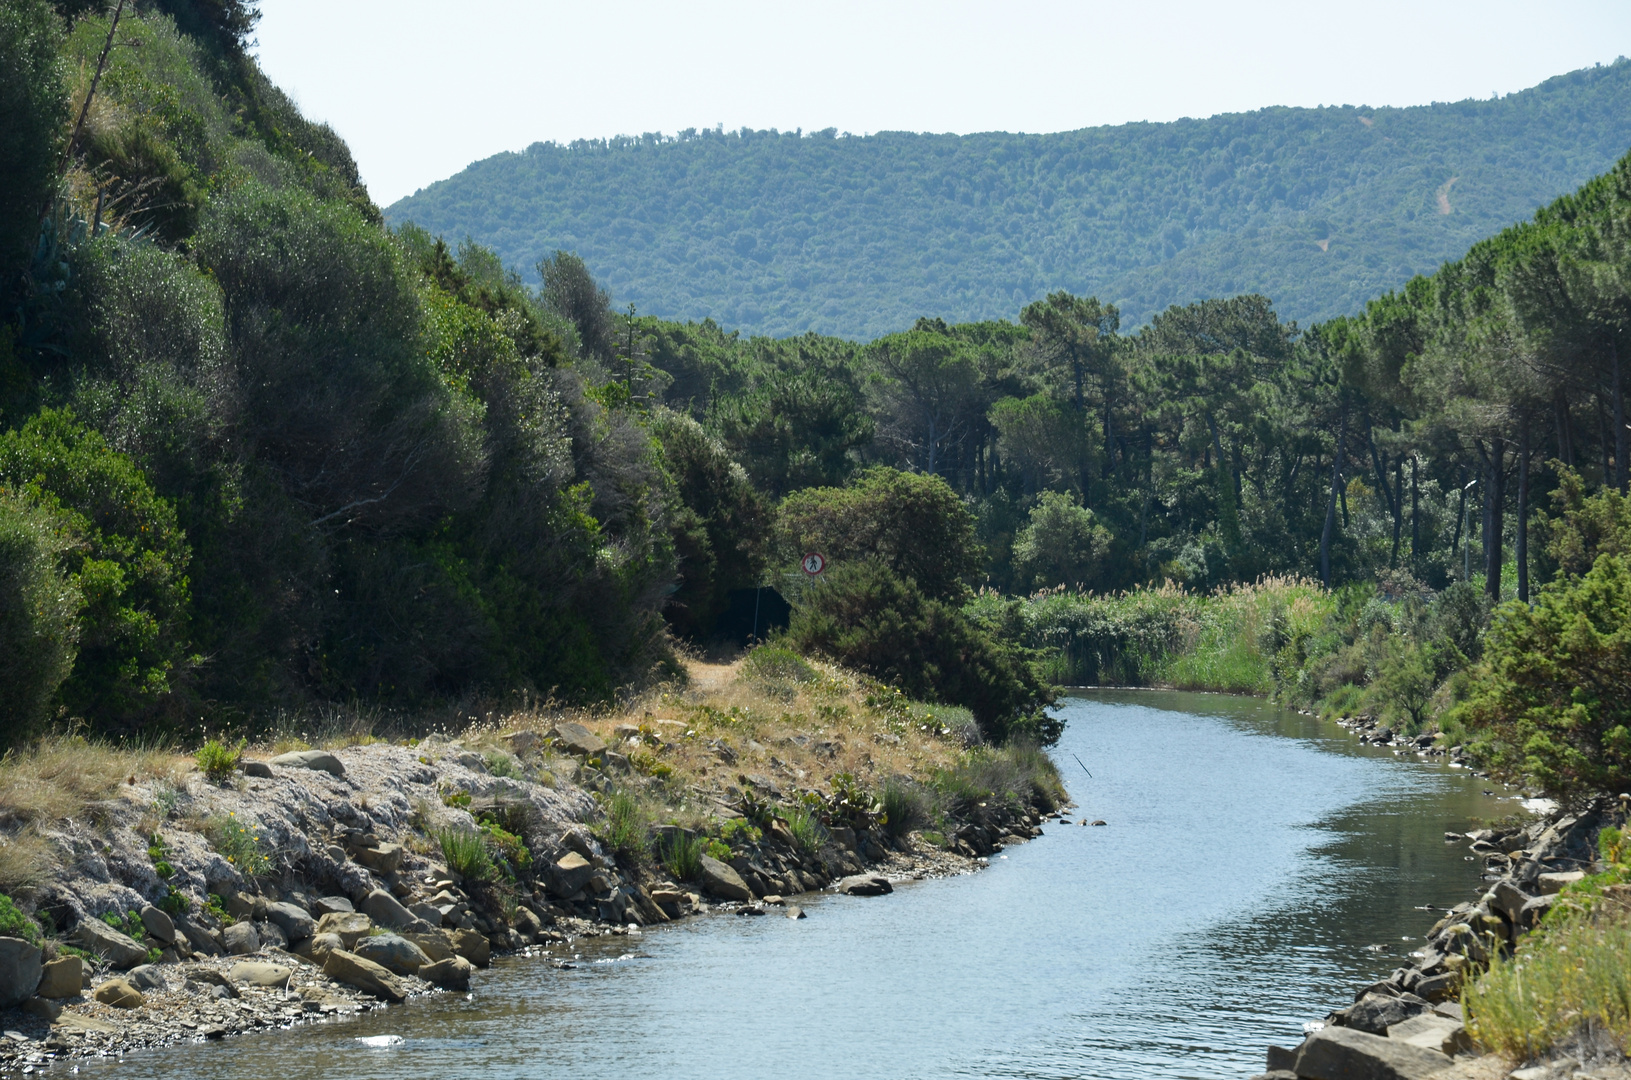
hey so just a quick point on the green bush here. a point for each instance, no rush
(1551, 700)
(626, 824)
(906, 806)
(217, 760)
(13, 923)
(130, 566)
(39, 633)
(466, 853)
(1062, 544)
(805, 825)
(865, 617)
(33, 115)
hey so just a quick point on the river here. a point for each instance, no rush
(1257, 867)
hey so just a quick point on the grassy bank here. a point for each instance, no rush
(1389, 650)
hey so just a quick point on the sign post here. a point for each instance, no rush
(813, 564)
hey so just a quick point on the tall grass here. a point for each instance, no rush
(627, 825)
(1016, 774)
(1567, 986)
(681, 855)
(805, 825)
(906, 806)
(466, 853)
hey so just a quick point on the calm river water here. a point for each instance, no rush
(1258, 866)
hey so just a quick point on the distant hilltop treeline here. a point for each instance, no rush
(782, 232)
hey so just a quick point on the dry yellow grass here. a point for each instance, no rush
(796, 723)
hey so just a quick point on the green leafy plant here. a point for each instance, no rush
(130, 924)
(242, 844)
(217, 760)
(174, 902)
(717, 849)
(501, 765)
(740, 831)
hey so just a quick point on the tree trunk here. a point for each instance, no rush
(1331, 504)
(1523, 510)
(1460, 516)
(1565, 428)
(1495, 519)
(1619, 421)
(1415, 516)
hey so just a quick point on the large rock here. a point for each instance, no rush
(387, 910)
(436, 944)
(240, 938)
(147, 977)
(325, 905)
(255, 973)
(120, 994)
(1336, 1053)
(201, 975)
(452, 973)
(318, 946)
(256, 770)
(382, 859)
(395, 954)
(577, 739)
(864, 885)
(20, 970)
(98, 937)
(570, 873)
(1556, 882)
(292, 919)
(722, 881)
(199, 938)
(365, 975)
(1434, 1032)
(159, 924)
(1375, 1013)
(350, 926)
(321, 760)
(473, 946)
(63, 977)
(1507, 899)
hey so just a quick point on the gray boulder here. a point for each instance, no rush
(258, 770)
(20, 970)
(201, 940)
(1375, 1013)
(363, 974)
(864, 885)
(393, 953)
(386, 910)
(240, 939)
(722, 881)
(577, 739)
(473, 946)
(382, 859)
(325, 905)
(159, 924)
(321, 760)
(1508, 900)
(452, 973)
(271, 935)
(119, 950)
(1434, 1032)
(145, 977)
(427, 911)
(1336, 1053)
(63, 977)
(436, 944)
(291, 919)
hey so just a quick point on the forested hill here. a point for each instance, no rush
(777, 233)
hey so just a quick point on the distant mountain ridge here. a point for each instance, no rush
(779, 233)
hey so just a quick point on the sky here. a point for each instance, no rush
(421, 88)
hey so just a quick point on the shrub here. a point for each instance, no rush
(13, 923)
(681, 855)
(38, 603)
(866, 618)
(242, 845)
(906, 807)
(130, 924)
(130, 565)
(1061, 545)
(217, 761)
(508, 851)
(740, 831)
(33, 115)
(466, 853)
(1551, 699)
(717, 849)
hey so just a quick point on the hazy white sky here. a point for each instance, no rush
(420, 89)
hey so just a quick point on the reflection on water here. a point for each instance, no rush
(1254, 861)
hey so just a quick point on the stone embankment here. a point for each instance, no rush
(1409, 1025)
(314, 884)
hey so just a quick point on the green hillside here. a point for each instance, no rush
(778, 233)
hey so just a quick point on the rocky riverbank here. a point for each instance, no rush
(318, 883)
(1410, 1025)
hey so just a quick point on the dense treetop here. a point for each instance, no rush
(778, 233)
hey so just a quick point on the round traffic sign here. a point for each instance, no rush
(813, 563)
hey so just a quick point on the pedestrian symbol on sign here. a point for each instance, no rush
(813, 564)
